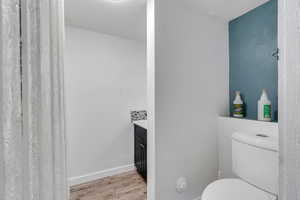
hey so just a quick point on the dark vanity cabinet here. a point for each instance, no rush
(140, 150)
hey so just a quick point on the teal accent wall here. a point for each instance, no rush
(252, 41)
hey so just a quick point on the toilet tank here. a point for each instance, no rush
(255, 159)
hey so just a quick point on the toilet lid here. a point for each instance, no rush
(234, 189)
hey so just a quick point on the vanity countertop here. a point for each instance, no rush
(141, 123)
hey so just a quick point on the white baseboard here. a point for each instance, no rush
(101, 174)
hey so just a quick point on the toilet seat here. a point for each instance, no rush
(234, 189)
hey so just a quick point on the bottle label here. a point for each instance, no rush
(267, 111)
(238, 110)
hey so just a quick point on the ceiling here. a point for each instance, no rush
(225, 9)
(127, 18)
(124, 18)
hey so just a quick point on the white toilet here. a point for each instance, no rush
(255, 161)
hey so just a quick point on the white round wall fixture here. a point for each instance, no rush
(181, 185)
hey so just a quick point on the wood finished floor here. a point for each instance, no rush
(126, 186)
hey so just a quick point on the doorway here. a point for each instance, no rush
(106, 98)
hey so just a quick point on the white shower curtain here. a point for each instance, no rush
(11, 172)
(32, 140)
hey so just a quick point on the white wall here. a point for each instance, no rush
(191, 90)
(226, 127)
(105, 78)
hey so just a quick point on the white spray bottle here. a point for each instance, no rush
(264, 112)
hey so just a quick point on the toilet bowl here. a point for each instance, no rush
(234, 189)
(255, 161)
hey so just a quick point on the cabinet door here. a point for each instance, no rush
(143, 160)
(140, 150)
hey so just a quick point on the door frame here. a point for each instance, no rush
(289, 98)
(151, 148)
